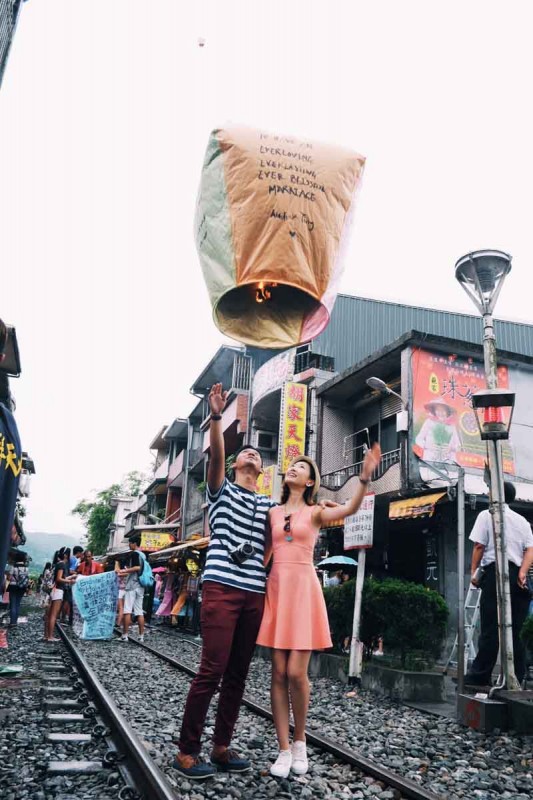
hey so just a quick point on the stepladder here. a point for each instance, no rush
(471, 621)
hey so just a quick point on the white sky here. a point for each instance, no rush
(105, 112)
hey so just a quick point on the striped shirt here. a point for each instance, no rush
(232, 523)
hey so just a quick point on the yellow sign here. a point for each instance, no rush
(265, 482)
(155, 540)
(292, 423)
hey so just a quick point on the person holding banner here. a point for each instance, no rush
(295, 621)
(134, 594)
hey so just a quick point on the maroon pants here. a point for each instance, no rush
(230, 623)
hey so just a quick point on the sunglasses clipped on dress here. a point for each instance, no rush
(287, 528)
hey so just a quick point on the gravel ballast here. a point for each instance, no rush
(436, 752)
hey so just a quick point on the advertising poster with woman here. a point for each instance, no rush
(444, 423)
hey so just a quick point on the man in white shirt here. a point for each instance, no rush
(519, 540)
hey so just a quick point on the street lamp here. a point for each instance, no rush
(381, 386)
(402, 421)
(402, 424)
(482, 274)
(494, 411)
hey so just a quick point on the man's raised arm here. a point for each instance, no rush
(216, 469)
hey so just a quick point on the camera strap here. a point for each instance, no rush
(253, 517)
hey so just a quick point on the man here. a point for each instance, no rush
(10, 458)
(519, 540)
(233, 597)
(76, 558)
(134, 592)
(88, 566)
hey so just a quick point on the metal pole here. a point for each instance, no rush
(356, 647)
(505, 621)
(461, 581)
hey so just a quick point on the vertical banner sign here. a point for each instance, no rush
(265, 482)
(432, 562)
(359, 527)
(292, 424)
(96, 598)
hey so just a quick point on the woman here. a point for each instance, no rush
(62, 583)
(295, 620)
(47, 582)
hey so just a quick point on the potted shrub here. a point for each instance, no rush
(412, 621)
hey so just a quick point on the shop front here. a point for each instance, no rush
(177, 593)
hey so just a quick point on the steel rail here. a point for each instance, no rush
(406, 786)
(155, 784)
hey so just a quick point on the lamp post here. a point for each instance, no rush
(482, 274)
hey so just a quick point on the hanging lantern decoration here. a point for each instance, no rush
(272, 219)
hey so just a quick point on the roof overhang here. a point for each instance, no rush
(190, 544)
(217, 369)
(159, 442)
(176, 430)
(386, 362)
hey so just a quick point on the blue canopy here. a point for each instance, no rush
(337, 562)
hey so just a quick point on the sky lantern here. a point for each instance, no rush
(272, 220)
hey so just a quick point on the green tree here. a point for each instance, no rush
(98, 514)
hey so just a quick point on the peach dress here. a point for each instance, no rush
(295, 616)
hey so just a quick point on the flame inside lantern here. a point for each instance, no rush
(264, 291)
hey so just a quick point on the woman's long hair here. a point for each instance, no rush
(309, 492)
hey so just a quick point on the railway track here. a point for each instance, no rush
(74, 698)
(407, 788)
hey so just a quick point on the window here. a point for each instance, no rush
(389, 436)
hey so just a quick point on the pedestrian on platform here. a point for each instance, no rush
(19, 581)
(295, 621)
(232, 601)
(519, 540)
(334, 580)
(63, 581)
(89, 566)
(134, 592)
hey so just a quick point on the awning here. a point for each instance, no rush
(415, 506)
(170, 551)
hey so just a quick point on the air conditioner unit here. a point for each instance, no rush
(266, 440)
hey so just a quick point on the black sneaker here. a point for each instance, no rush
(193, 767)
(230, 761)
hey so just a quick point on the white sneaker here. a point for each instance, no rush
(300, 764)
(282, 765)
(141, 637)
(124, 637)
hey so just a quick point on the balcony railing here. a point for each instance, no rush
(176, 468)
(241, 373)
(309, 360)
(334, 480)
